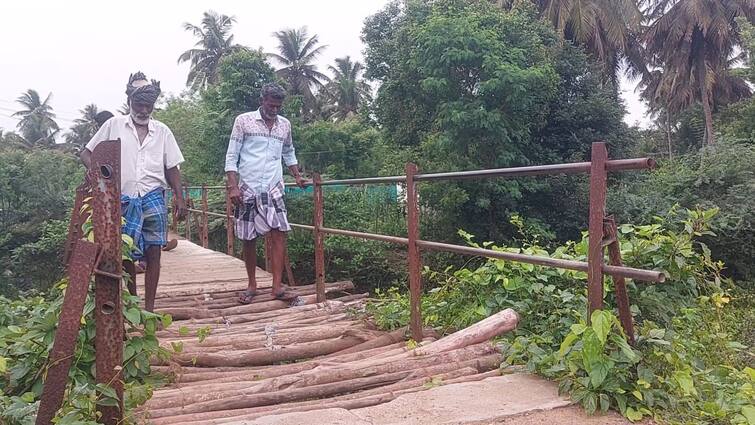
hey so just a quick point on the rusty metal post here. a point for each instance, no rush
(229, 223)
(415, 261)
(83, 256)
(187, 228)
(77, 220)
(595, 227)
(205, 221)
(319, 238)
(620, 287)
(106, 217)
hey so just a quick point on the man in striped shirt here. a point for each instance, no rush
(260, 140)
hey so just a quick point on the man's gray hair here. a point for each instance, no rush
(273, 90)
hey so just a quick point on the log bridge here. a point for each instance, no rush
(313, 352)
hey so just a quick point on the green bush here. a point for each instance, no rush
(688, 365)
(36, 194)
(27, 332)
(720, 177)
(27, 329)
(369, 264)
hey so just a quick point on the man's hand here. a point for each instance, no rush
(301, 182)
(235, 194)
(181, 210)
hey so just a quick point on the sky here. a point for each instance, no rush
(82, 51)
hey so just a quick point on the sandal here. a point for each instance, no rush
(247, 296)
(282, 294)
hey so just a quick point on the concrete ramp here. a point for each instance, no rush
(517, 398)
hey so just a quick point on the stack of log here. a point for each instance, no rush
(270, 358)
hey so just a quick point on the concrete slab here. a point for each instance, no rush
(570, 415)
(495, 400)
(469, 402)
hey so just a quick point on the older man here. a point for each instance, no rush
(149, 163)
(259, 140)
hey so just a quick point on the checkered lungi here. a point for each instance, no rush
(145, 220)
(260, 212)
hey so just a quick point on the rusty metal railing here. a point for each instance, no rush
(599, 225)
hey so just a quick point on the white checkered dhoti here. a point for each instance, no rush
(259, 213)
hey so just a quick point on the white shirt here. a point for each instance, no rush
(143, 164)
(255, 151)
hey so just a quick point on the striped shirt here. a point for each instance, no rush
(255, 151)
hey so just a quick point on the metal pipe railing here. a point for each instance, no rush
(632, 273)
(528, 171)
(597, 168)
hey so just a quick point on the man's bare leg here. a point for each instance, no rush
(277, 246)
(130, 269)
(151, 276)
(250, 261)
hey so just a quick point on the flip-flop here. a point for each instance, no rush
(247, 296)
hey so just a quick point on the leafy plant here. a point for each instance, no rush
(687, 366)
(27, 331)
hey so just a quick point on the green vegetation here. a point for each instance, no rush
(27, 331)
(36, 193)
(688, 365)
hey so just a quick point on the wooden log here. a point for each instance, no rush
(251, 397)
(210, 417)
(324, 374)
(349, 401)
(265, 356)
(202, 393)
(358, 403)
(497, 324)
(247, 328)
(210, 300)
(224, 375)
(271, 335)
(195, 379)
(289, 315)
(327, 375)
(182, 313)
(386, 339)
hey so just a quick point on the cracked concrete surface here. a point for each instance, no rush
(509, 399)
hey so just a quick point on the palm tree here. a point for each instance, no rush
(85, 127)
(607, 29)
(297, 53)
(668, 95)
(346, 90)
(693, 42)
(10, 139)
(37, 121)
(214, 42)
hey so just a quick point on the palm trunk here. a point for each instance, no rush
(702, 73)
(668, 131)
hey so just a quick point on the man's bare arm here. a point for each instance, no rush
(173, 175)
(232, 185)
(86, 158)
(294, 170)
